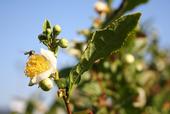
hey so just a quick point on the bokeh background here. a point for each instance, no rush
(21, 21)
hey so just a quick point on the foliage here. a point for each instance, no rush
(103, 43)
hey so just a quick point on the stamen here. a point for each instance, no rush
(36, 65)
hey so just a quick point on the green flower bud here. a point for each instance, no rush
(42, 37)
(46, 84)
(49, 31)
(56, 30)
(63, 43)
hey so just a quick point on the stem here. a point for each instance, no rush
(67, 104)
(117, 13)
(120, 10)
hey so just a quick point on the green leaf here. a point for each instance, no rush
(46, 25)
(131, 4)
(103, 43)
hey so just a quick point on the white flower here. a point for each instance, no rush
(40, 66)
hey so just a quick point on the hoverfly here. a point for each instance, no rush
(31, 52)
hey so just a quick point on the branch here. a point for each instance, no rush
(115, 14)
(67, 104)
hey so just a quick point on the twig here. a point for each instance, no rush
(118, 12)
(67, 104)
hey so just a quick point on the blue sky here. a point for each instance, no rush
(20, 23)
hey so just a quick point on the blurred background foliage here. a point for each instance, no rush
(135, 80)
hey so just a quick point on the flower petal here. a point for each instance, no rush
(42, 76)
(51, 57)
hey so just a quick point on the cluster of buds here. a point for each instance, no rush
(41, 67)
(49, 37)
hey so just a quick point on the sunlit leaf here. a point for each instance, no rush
(103, 43)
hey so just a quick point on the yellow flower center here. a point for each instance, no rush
(36, 65)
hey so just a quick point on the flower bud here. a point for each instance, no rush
(49, 31)
(42, 37)
(129, 58)
(101, 7)
(56, 30)
(46, 84)
(63, 43)
(60, 93)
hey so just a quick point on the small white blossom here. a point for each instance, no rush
(40, 66)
